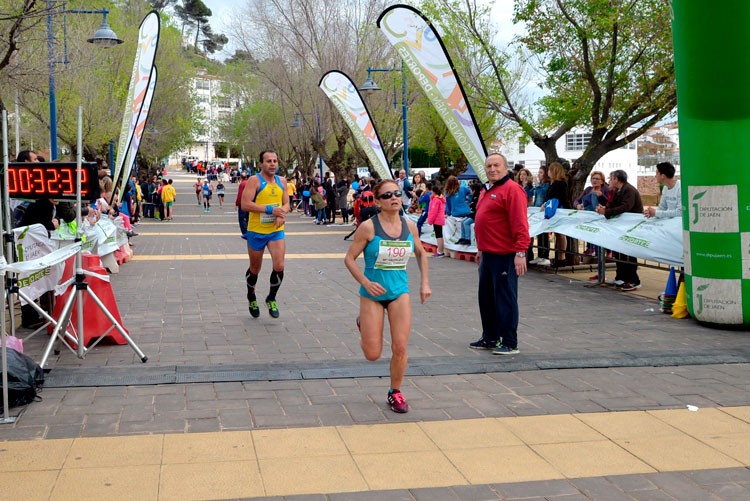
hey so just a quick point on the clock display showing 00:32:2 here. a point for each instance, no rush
(48, 180)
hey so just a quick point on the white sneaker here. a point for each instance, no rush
(616, 283)
(544, 262)
(534, 261)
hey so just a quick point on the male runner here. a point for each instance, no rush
(266, 199)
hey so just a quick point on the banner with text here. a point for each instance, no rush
(148, 40)
(347, 100)
(422, 51)
(658, 240)
(32, 242)
(137, 134)
(654, 239)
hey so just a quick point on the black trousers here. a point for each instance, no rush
(498, 298)
(627, 268)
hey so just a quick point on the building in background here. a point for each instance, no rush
(570, 147)
(659, 144)
(213, 108)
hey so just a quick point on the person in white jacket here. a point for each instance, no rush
(670, 204)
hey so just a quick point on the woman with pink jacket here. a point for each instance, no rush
(436, 217)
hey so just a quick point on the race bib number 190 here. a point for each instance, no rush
(393, 255)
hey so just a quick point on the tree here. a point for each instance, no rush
(97, 80)
(294, 43)
(212, 42)
(162, 4)
(17, 25)
(606, 66)
(614, 56)
(193, 13)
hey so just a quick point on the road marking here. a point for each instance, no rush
(236, 234)
(223, 257)
(170, 223)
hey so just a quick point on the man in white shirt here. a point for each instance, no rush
(405, 187)
(670, 204)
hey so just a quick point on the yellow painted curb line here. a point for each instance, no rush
(326, 460)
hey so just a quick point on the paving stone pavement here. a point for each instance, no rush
(193, 313)
(728, 483)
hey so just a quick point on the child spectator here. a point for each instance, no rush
(436, 217)
(415, 207)
(469, 220)
(320, 205)
(167, 197)
(424, 204)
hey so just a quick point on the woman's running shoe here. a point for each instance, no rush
(397, 401)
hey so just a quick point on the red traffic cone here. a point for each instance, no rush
(671, 289)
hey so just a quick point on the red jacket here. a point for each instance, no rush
(436, 214)
(502, 224)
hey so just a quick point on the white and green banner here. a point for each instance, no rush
(37, 271)
(346, 99)
(140, 126)
(658, 240)
(145, 54)
(654, 239)
(423, 52)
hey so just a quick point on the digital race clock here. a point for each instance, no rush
(54, 180)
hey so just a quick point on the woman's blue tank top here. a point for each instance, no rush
(395, 281)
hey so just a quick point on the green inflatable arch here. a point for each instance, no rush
(712, 65)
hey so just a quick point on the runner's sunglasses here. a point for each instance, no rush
(389, 194)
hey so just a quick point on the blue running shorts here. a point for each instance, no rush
(258, 241)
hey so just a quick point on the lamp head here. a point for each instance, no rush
(369, 86)
(104, 36)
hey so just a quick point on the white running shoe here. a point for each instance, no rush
(544, 262)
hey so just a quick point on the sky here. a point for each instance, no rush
(223, 10)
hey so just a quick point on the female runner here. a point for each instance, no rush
(388, 241)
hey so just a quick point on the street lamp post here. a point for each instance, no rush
(298, 123)
(104, 37)
(370, 86)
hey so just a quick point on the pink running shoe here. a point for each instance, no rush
(397, 401)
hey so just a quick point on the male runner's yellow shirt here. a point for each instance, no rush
(268, 194)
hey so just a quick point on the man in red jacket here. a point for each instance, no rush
(502, 232)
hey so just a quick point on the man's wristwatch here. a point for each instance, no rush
(520, 254)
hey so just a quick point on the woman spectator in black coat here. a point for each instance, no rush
(330, 196)
(559, 189)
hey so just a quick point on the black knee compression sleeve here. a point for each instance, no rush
(276, 278)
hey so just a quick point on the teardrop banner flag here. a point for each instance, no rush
(347, 100)
(423, 52)
(140, 126)
(145, 54)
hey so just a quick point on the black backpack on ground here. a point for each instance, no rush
(25, 378)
